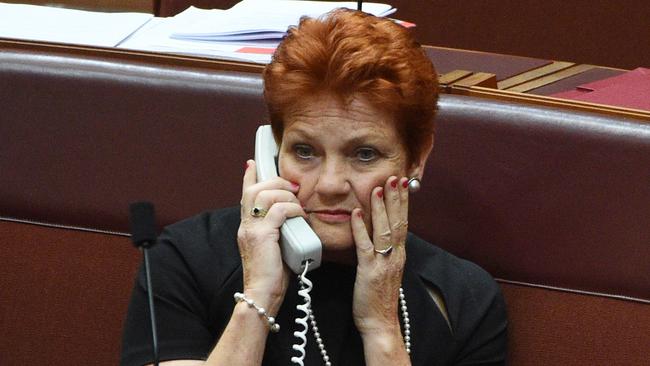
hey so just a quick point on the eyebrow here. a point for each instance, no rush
(300, 133)
(355, 140)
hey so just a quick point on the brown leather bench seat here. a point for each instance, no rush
(552, 202)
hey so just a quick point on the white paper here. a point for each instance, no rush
(250, 31)
(154, 37)
(256, 16)
(42, 23)
(223, 51)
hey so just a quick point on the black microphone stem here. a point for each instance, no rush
(154, 332)
(142, 218)
(359, 4)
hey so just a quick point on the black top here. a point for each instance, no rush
(196, 269)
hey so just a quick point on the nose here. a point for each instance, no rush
(333, 178)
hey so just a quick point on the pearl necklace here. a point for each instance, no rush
(405, 322)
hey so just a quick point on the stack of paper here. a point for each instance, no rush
(249, 31)
(42, 23)
(264, 19)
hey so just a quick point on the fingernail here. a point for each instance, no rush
(360, 214)
(380, 193)
(406, 183)
(393, 183)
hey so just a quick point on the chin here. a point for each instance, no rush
(335, 238)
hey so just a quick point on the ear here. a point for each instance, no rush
(419, 162)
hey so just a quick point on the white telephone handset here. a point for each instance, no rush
(298, 242)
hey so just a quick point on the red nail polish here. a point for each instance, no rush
(295, 185)
(405, 184)
(380, 193)
(394, 183)
(360, 214)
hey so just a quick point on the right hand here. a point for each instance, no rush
(266, 277)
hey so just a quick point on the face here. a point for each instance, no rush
(338, 155)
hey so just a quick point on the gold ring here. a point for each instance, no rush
(259, 212)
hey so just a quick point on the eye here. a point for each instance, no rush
(303, 151)
(366, 154)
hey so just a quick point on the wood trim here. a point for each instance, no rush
(478, 79)
(130, 55)
(534, 84)
(509, 96)
(533, 74)
(453, 76)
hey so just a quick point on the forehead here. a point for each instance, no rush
(325, 115)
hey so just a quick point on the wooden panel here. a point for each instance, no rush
(453, 76)
(570, 83)
(534, 74)
(503, 66)
(607, 32)
(479, 79)
(534, 84)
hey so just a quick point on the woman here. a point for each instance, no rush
(351, 99)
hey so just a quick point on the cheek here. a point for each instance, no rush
(293, 173)
(364, 186)
(363, 196)
(287, 168)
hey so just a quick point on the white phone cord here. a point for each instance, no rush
(305, 308)
(305, 287)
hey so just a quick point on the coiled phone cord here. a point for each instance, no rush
(305, 288)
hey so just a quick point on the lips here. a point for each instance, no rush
(332, 216)
(333, 212)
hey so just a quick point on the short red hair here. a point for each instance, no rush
(353, 54)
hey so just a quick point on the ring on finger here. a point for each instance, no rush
(259, 212)
(401, 224)
(386, 251)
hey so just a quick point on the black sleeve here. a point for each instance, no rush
(189, 265)
(484, 325)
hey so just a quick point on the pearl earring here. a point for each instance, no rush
(414, 184)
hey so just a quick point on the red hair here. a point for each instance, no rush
(353, 54)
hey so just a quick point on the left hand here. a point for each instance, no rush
(379, 277)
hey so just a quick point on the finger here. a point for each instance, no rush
(381, 235)
(362, 241)
(251, 191)
(399, 223)
(404, 190)
(281, 211)
(250, 177)
(267, 198)
(393, 203)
